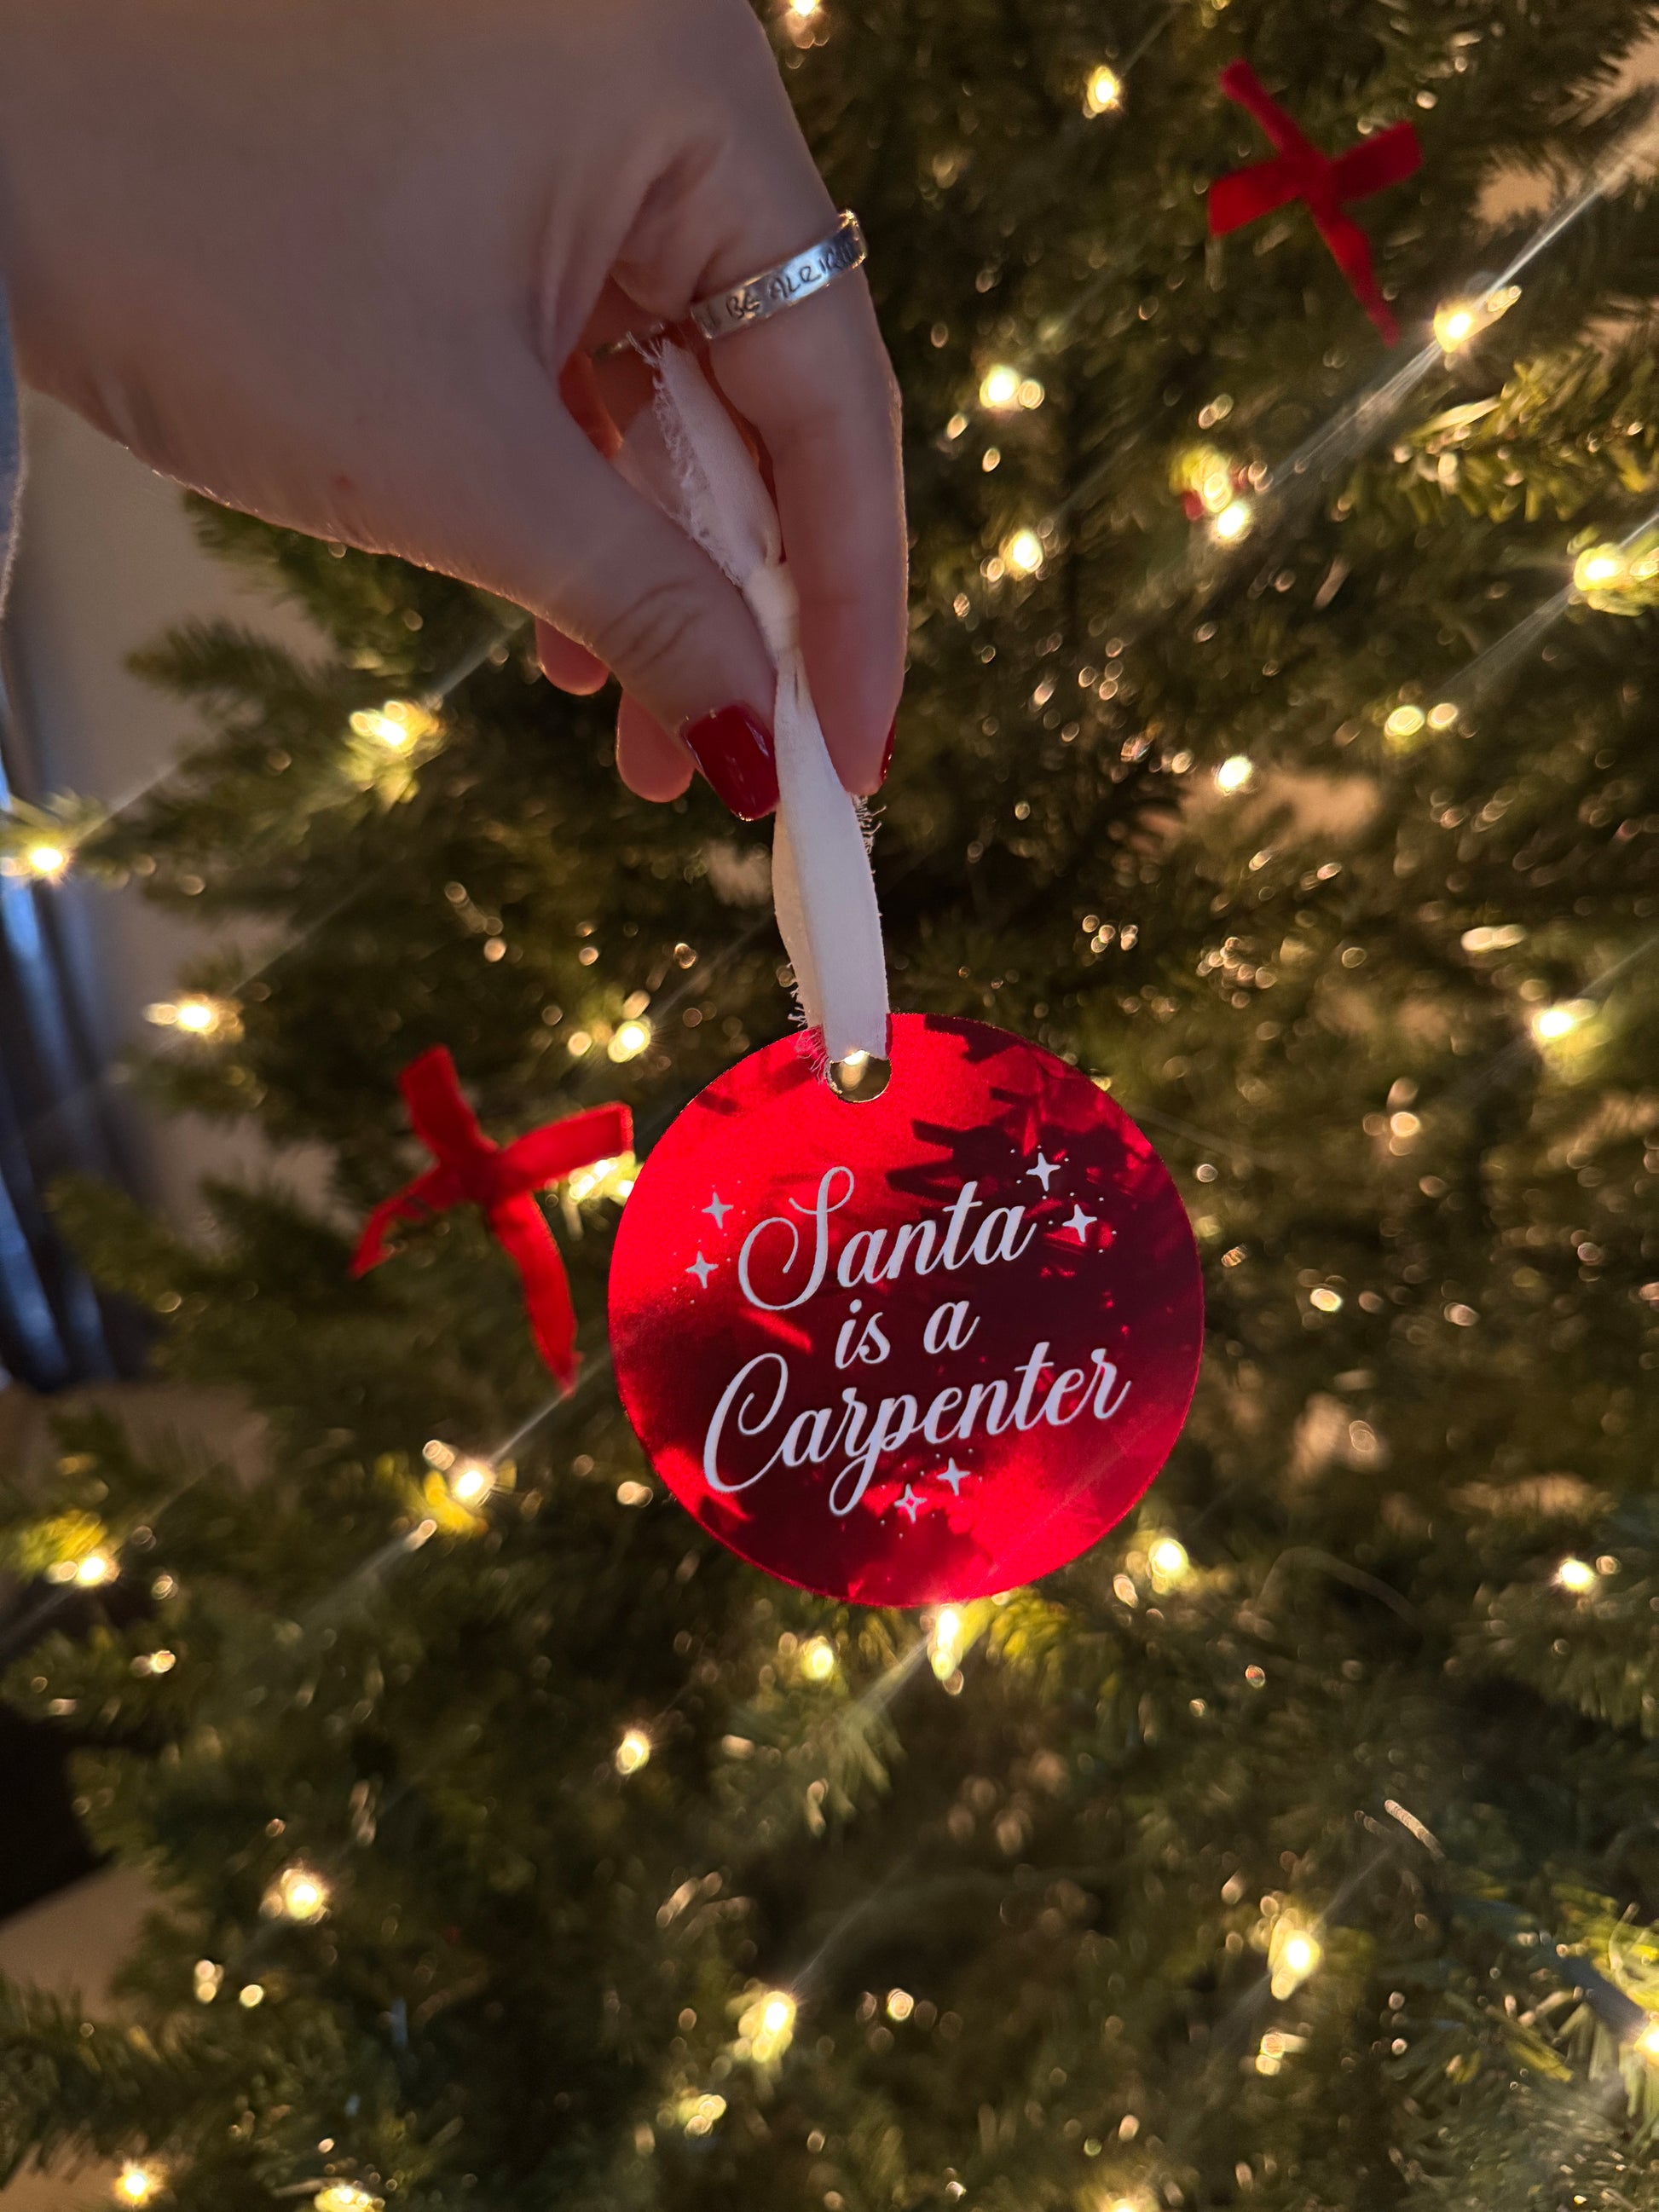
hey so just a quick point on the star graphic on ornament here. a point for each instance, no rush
(955, 1475)
(911, 1503)
(719, 1208)
(1080, 1224)
(1045, 1170)
(703, 1269)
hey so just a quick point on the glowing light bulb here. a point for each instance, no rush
(472, 1483)
(1404, 722)
(1459, 320)
(1023, 553)
(1597, 566)
(1293, 1954)
(1550, 1023)
(998, 388)
(1577, 1576)
(297, 1894)
(397, 724)
(251, 1995)
(804, 10)
(944, 1643)
(344, 2197)
(1648, 2042)
(633, 1752)
(1233, 523)
(1443, 716)
(900, 2004)
(1104, 91)
(1452, 326)
(136, 2184)
(630, 1040)
(47, 861)
(96, 1568)
(1326, 1301)
(1237, 773)
(768, 2026)
(817, 1659)
(197, 1014)
(1168, 1559)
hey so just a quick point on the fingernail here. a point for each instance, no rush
(733, 748)
(887, 754)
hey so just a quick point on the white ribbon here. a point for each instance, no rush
(822, 888)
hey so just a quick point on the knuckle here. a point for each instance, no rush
(657, 629)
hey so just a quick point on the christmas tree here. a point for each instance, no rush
(1272, 749)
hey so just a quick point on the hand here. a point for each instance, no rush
(338, 264)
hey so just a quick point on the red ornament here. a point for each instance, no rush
(473, 1168)
(922, 1348)
(1300, 172)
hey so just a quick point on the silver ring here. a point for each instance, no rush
(786, 285)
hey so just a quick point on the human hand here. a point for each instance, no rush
(340, 264)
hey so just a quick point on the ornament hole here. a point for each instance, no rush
(860, 1077)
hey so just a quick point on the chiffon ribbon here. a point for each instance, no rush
(1298, 170)
(472, 1170)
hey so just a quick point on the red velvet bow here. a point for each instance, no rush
(471, 1168)
(1300, 172)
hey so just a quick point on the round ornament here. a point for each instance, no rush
(917, 1349)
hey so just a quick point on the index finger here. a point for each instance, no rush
(815, 381)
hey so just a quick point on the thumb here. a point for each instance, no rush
(592, 555)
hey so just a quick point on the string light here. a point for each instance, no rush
(998, 388)
(1003, 389)
(945, 1641)
(1276, 2046)
(197, 1014)
(817, 1659)
(698, 2115)
(1024, 553)
(900, 2004)
(629, 1040)
(1168, 1561)
(1648, 2042)
(205, 1980)
(768, 2026)
(1294, 1953)
(633, 1752)
(95, 1569)
(804, 10)
(136, 2184)
(1404, 722)
(604, 1178)
(298, 1895)
(1577, 1576)
(1598, 565)
(45, 862)
(1550, 1023)
(470, 1483)
(1459, 320)
(399, 724)
(1236, 773)
(252, 1995)
(1234, 521)
(345, 2196)
(1104, 94)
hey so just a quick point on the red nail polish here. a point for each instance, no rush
(887, 753)
(733, 748)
